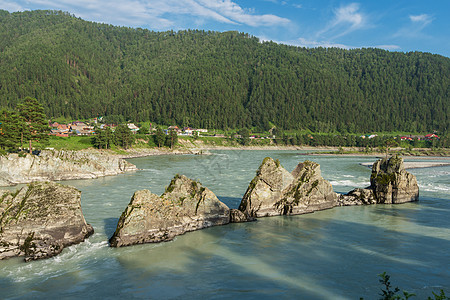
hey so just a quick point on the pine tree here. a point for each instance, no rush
(160, 137)
(36, 126)
(123, 136)
(11, 124)
(172, 139)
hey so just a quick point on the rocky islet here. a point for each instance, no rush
(272, 192)
(38, 221)
(186, 205)
(390, 183)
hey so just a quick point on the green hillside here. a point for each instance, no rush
(81, 69)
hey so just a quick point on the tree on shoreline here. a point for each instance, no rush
(123, 136)
(172, 138)
(36, 127)
(160, 137)
(10, 129)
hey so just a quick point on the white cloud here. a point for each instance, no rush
(10, 6)
(231, 10)
(423, 19)
(349, 14)
(388, 47)
(159, 14)
(302, 42)
(346, 19)
(414, 28)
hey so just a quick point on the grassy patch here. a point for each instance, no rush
(70, 143)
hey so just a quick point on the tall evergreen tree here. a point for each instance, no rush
(172, 138)
(123, 136)
(160, 137)
(11, 126)
(36, 128)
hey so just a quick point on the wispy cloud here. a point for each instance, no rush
(234, 12)
(415, 26)
(423, 19)
(10, 6)
(346, 19)
(158, 14)
(302, 42)
(387, 47)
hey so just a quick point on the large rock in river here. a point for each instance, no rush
(390, 183)
(274, 191)
(39, 220)
(59, 165)
(185, 206)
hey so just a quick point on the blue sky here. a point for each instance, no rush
(397, 25)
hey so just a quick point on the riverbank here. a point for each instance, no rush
(203, 149)
(416, 164)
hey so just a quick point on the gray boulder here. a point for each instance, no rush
(185, 206)
(389, 184)
(237, 216)
(40, 220)
(358, 197)
(274, 191)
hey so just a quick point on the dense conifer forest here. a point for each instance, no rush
(205, 79)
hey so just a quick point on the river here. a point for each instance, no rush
(332, 254)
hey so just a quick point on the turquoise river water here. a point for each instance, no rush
(332, 254)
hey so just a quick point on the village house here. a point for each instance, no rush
(369, 136)
(81, 128)
(431, 136)
(175, 128)
(59, 129)
(133, 128)
(188, 130)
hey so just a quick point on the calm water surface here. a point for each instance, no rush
(332, 254)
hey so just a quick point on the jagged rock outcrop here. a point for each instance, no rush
(237, 216)
(274, 191)
(389, 184)
(39, 220)
(185, 206)
(358, 196)
(59, 165)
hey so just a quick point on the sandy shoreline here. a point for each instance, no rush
(204, 150)
(416, 164)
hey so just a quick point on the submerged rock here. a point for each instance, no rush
(39, 220)
(59, 165)
(185, 206)
(274, 191)
(389, 184)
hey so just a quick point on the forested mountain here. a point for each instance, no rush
(81, 69)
